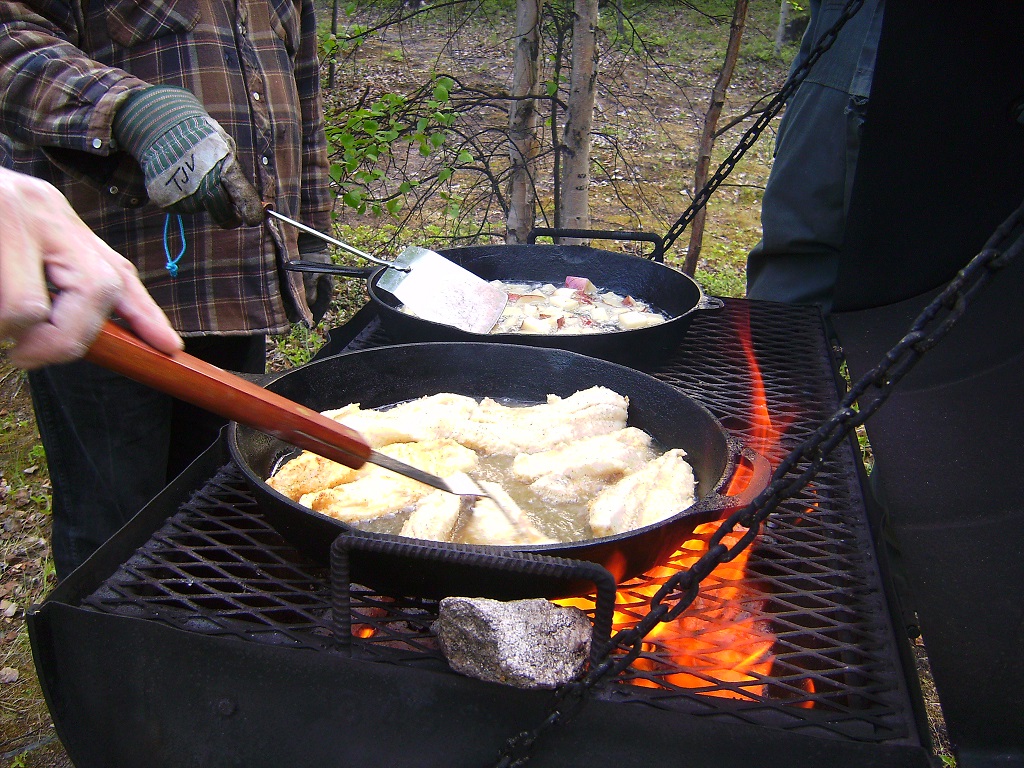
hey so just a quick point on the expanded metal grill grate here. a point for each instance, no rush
(798, 637)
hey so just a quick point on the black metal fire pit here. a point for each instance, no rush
(200, 636)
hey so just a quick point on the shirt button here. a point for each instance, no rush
(256, 95)
(265, 160)
(96, 143)
(114, 190)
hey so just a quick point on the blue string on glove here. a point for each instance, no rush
(172, 264)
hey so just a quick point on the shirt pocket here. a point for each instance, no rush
(284, 20)
(130, 22)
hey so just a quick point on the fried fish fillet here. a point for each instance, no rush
(490, 525)
(576, 471)
(376, 491)
(428, 418)
(662, 488)
(438, 516)
(496, 429)
(307, 473)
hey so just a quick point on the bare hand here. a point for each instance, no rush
(42, 238)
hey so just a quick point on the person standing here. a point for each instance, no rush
(168, 126)
(806, 200)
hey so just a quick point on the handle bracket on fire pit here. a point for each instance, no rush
(432, 570)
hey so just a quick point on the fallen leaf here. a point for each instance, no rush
(8, 675)
(31, 470)
(8, 608)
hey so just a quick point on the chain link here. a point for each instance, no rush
(763, 120)
(794, 472)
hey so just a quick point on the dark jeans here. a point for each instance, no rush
(112, 444)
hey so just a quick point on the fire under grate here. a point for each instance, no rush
(798, 637)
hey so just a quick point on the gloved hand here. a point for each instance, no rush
(187, 158)
(319, 288)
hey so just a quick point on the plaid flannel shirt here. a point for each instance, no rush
(65, 69)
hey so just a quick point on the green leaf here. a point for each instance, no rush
(436, 139)
(465, 157)
(445, 174)
(551, 88)
(441, 93)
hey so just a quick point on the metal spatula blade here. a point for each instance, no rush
(459, 484)
(431, 286)
(436, 289)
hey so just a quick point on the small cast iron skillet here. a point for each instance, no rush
(671, 291)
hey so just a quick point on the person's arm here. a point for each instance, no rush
(43, 240)
(83, 113)
(315, 205)
(52, 93)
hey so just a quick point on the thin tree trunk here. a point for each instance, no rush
(780, 32)
(579, 119)
(333, 68)
(523, 122)
(707, 139)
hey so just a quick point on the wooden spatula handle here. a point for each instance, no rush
(195, 381)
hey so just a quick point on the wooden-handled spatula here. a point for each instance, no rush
(195, 381)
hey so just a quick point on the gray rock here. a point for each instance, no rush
(524, 643)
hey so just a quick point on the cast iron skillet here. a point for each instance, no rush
(667, 289)
(389, 375)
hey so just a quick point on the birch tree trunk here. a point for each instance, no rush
(523, 122)
(575, 180)
(333, 69)
(780, 32)
(707, 138)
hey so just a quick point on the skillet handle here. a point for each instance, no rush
(761, 474)
(188, 378)
(330, 269)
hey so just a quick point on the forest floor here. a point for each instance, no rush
(649, 192)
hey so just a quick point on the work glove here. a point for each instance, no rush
(319, 287)
(187, 158)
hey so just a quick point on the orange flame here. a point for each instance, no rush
(724, 650)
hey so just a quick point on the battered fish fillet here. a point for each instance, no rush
(661, 489)
(307, 473)
(438, 516)
(428, 418)
(489, 525)
(577, 471)
(495, 429)
(376, 491)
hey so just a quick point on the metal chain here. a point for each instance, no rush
(789, 478)
(763, 120)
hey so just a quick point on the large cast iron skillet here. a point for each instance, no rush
(389, 375)
(668, 289)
